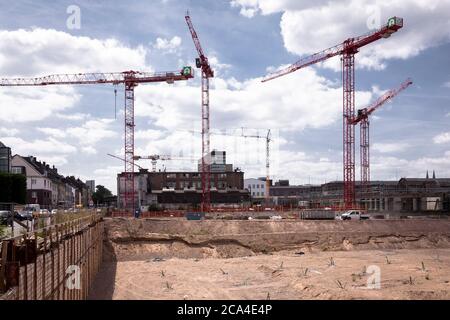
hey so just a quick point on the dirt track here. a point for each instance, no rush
(168, 259)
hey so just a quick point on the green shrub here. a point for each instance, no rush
(13, 188)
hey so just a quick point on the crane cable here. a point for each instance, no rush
(115, 102)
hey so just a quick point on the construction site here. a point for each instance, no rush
(216, 233)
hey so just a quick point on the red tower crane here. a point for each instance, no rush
(362, 118)
(207, 72)
(130, 79)
(347, 50)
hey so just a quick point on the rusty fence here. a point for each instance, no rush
(58, 262)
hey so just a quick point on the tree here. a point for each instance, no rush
(100, 194)
(13, 188)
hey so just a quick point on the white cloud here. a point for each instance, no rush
(395, 168)
(88, 135)
(107, 176)
(89, 150)
(216, 65)
(249, 13)
(310, 27)
(57, 133)
(442, 138)
(38, 147)
(73, 116)
(37, 52)
(9, 132)
(276, 104)
(447, 84)
(390, 147)
(47, 51)
(92, 132)
(34, 104)
(168, 45)
(149, 134)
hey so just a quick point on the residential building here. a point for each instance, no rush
(39, 183)
(48, 188)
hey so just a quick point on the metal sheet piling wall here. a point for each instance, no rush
(58, 262)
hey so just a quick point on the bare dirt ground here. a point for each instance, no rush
(283, 275)
(179, 259)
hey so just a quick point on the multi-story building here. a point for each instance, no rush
(91, 186)
(178, 189)
(218, 162)
(39, 183)
(405, 195)
(256, 187)
(5, 158)
(81, 197)
(48, 188)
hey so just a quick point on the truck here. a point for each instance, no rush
(354, 215)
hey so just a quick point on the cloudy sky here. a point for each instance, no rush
(74, 127)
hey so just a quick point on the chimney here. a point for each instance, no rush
(427, 177)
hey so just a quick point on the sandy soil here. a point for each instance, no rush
(404, 274)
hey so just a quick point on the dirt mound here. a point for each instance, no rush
(131, 239)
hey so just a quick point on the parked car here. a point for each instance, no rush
(34, 207)
(5, 217)
(354, 215)
(54, 211)
(23, 215)
(276, 217)
(44, 211)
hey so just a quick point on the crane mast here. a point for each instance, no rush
(207, 72)
(347, 51)
(130, 79)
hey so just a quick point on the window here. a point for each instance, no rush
(257, 186)
(253, 186)
(16, 170)
(257, 194)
